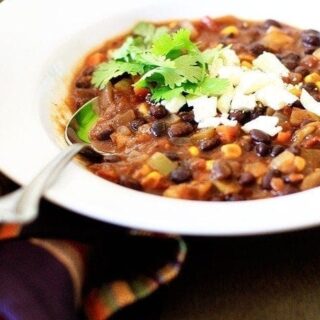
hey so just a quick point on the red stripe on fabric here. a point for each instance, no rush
(8, 231)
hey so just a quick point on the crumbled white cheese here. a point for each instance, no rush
(215, 122)
(275, 97)
(209, 123)
(309, 103)
(253, 80)
(226, 121)
(242, 101)
(224, 102)
(229, 57)
(175, 104)
(233, 73)
(266, 124)
(203, 107)
(268, 62)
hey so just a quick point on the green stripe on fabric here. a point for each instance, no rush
(142, 286)
(107, 297)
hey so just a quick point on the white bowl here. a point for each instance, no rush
(41, 44)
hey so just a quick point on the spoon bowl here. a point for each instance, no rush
(22, 205)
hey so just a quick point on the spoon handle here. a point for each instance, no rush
(22, 205)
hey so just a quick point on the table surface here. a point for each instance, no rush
(270, 277)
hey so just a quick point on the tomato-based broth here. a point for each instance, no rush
(213, 109)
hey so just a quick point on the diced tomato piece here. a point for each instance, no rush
(141, 92)
(228, 134)
(95, 59)
(284, 137)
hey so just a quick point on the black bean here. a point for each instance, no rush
(276, 150)
(104, 134)
(302, 70)
(84, 82)
(271, 23)
(185, 108)
(295, 150)
(241, 116)
(172, 155)
(311, 38)
(294, 179)
(221, 170)
(263, 149)
(158, 128)
(88, 71)
(91, 155)
(291, 60)
(257, 112)
(260, 136)
(310, 32)
(266, 180)
(136, 123)
(131, 183)
(257, 49)
(112, 158)
(246, 179)
(309, 49)
(180, 129)
(209, 144)
(297, 104)
(180, 175)
(158, 111)
(187, 116)
(310, 87)
(234, 197)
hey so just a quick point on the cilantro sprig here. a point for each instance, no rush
(168, 64)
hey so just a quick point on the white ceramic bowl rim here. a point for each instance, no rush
(32, 33)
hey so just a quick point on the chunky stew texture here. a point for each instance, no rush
(226, 156)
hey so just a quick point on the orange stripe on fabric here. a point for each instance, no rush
(8, 231)
(122, 293)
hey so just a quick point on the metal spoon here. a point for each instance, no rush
(22, 205)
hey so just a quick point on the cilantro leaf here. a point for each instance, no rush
(166, 93)
(112, 69)
(169, 77)
(178, 41)
(151, 60)
(145, 30)
(188, 67)
(148, 32)
(212, 87)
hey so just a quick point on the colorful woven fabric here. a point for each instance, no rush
(142, 272)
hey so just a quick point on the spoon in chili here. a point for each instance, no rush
(22, 205)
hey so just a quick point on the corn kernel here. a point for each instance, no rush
(144, 170)
(209, 164)
(246, 64)
(277, 184)
(230, 30)
(312, 78)
(152, 180)
(318, 85)
(295, 91)
(246, 57)
(194, 151)
(231, 151)
(299, 163)
(143, 108)
(317, 53)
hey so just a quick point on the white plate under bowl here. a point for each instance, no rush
(42, 42)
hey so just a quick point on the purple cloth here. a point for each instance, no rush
(33, 284)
